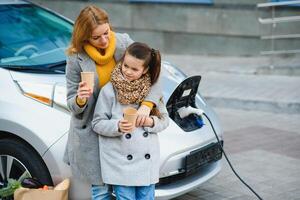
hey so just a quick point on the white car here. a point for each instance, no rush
(34, 118)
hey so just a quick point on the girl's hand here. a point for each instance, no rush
(83, 91)
(125, 126)
(149, 122)
(143, 112)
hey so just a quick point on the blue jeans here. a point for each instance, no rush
(101, 192)
(134, 192)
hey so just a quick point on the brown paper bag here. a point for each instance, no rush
(60, 192)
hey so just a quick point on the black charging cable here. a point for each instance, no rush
(252, 190)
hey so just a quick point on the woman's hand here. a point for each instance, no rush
(149, 122)
(143, 112)
(125, 126)
(83, 91)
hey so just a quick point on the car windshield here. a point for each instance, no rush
(32, 37)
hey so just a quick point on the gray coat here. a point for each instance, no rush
(82, 150)
(130, 159)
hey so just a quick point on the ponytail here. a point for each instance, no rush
(154, 70)
(154, 65)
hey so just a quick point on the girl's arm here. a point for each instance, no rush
(159, 123)
(102, 122)
(73, 78)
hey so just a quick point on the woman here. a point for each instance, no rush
(94, 47)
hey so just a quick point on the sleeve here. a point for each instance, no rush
(73, 78)
(148, 103)
(155, 93)
(128, 40)
(81, 102)
(161, 123)
(102, 122)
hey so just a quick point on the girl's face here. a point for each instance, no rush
(132, 67)
(100, 36)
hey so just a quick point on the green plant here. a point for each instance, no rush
(10, 188)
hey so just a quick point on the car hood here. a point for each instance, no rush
(38, 78)
(58, 81)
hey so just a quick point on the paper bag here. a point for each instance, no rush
(60, 192)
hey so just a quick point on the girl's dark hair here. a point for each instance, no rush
(151, 57)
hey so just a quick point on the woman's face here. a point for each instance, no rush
(100, 36)
(132, 68)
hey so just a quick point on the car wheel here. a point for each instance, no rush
(17, 158)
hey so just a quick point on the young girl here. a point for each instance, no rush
(130, 158)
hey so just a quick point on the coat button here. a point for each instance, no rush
(145, 134)
(147, 156)
(84, 126)
(128, 136)
(129, 157)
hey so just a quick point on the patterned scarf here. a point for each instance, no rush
(130, 92)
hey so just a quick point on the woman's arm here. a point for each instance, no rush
(153, 97)
(159, 123)
(73, 78)
(155, 93)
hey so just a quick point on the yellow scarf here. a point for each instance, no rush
(104, 63)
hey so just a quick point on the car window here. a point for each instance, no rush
(32, 36)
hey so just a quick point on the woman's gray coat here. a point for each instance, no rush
(130, 159)
(82, 150)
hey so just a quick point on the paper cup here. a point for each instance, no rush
(88, 77)
(130, 114)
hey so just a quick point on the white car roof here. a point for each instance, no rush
(4, 2)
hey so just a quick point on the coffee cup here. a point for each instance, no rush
(88, 77)
(130, 114)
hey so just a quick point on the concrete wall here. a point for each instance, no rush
(228, 27)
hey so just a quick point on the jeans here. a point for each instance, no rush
(134, 192)
(101, 192)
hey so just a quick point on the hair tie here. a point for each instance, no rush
(153, 52)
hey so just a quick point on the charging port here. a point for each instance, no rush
(184, 96)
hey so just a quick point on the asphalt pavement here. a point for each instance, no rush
(258, 102)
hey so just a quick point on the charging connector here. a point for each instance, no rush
(186, 111)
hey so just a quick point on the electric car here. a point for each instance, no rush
(34, 118)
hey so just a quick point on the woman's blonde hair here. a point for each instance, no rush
(89, 18)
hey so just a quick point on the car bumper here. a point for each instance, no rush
(185, 185)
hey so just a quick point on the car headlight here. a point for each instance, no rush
(48, 94)
(42, 93)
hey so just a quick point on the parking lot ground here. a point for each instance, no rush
(264, 149)
(259, 110)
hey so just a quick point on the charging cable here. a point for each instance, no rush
(186, 111)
